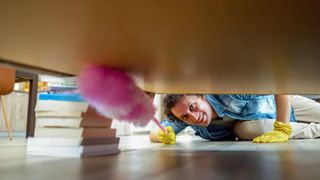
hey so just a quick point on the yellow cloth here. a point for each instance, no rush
(280, 133)
(167, 138)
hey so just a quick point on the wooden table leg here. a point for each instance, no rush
(31, 106)
(33, 90)
(5, 115)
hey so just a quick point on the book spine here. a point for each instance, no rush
(58, 122)
(80, 151)
(71, 141)
(62, 97)
(61, 106)
(73, 133)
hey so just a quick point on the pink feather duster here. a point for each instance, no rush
(113, 93)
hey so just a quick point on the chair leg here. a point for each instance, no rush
(5, 115)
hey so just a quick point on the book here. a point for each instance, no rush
(73, 151)
(72, 141)
(63, 114)
(69, 81)
(62, 97)
(61, 106)
(86, 121)
(90, 111)
(73, 133)
(63, 89)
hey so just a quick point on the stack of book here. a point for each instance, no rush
(58, 85)
(67, 126)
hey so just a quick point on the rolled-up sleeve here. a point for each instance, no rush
(175, 124)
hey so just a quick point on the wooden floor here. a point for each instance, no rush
(190, 158)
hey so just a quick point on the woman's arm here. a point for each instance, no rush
(282, 128)
(283, 105)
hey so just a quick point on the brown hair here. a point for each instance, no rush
(169, 101)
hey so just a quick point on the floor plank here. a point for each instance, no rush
(190, 158)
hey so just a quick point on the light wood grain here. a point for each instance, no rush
(196, 159)
(174, 46)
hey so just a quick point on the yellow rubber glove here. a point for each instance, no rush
(280, 133)
(167, 138)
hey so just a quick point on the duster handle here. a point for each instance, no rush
(156, 121)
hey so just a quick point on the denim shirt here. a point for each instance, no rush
(238, 107)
